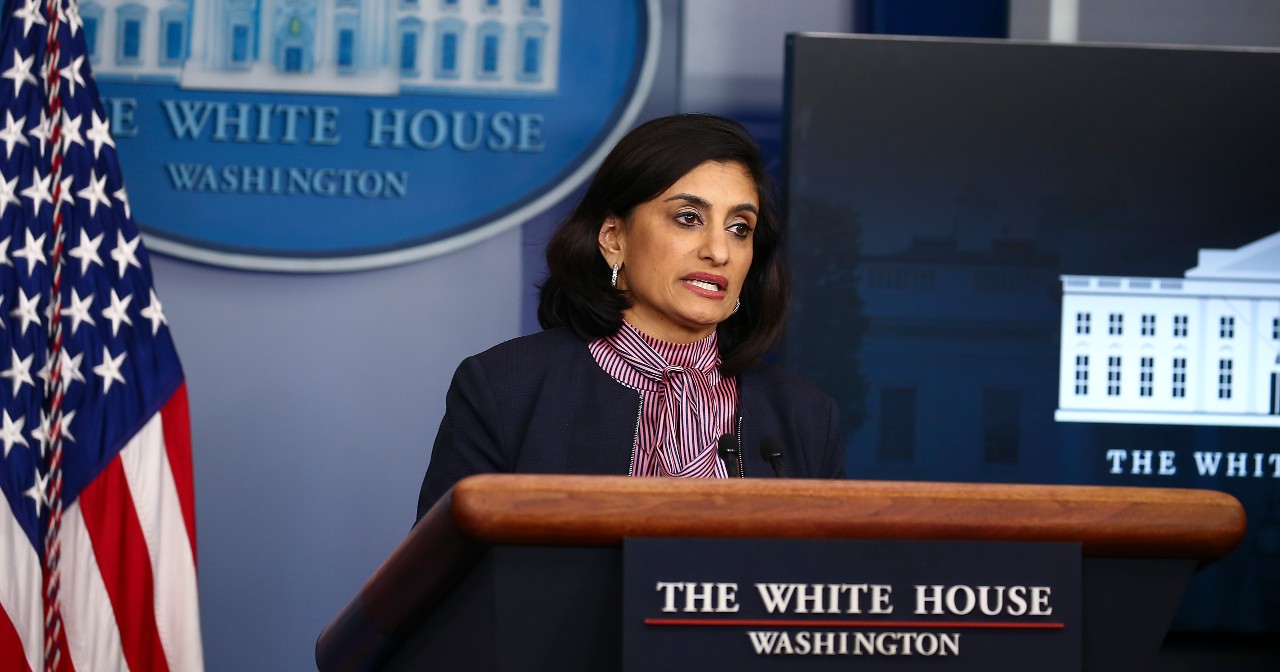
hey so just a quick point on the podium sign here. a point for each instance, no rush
(765, 604)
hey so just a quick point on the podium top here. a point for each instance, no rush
(549, 510)
(601, 510)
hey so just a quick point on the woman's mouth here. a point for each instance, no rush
(709, 286)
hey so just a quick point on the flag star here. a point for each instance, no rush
(20, 72)
(64, 191)
(11, 432)
(41, 433)
(12, 133)
(44, 433)
(7, 187)
(36, 491)
(155, 312)
(99, 134)
(32, 251)
(78, 311)
(71, 73)
(67, 417)
(87, 251)
(109, 369)
(71, 15)
(95, 193)
(123, 196)
(71, 128)
(45, 372)
(118, 311)
(46, 73)
(41, 131)
(4, 256)
(71, 373)
(30, 15)
(20, 372)
(27, 310)
(125, 252)
(38, 192)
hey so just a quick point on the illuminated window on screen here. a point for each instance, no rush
(1148, 325)
(1146, 376)
(1113, 376)
(1224, 378)
(1082, 375)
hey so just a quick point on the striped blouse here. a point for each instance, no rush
(685, 404)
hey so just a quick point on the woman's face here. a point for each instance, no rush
(685, 254)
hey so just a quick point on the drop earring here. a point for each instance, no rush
(613, 279)
(736, 305)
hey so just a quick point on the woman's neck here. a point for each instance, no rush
(665, 330)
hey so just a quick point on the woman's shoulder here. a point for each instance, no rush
(547, 364)
(541, 350)
(544, 343)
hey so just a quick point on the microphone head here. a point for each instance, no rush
(728, 446)
(728, 451)
(770, 449)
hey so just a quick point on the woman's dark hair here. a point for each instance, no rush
(577, 292)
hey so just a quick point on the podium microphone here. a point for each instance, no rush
(771, 451)
(728, 451)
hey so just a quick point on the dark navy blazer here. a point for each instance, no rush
(540, 404)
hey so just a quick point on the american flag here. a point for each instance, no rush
(97, 521)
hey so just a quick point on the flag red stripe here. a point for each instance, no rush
(125, 566)
(11, 652)
(176, 420)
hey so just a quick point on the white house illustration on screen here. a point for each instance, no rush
(1199, 350)
(376, 47)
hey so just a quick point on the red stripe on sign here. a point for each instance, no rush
(958, 625)
(125, 566)
(175, 417)
(11, 652)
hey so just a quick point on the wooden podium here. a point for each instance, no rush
(478, 583)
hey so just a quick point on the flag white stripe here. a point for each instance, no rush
(87, 616)
(20, 584)
(155, 498)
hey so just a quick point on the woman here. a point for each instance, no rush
(665, 288)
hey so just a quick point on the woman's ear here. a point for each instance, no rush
(611, 239)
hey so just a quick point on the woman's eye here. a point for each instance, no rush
(740, 229)
(688, 218)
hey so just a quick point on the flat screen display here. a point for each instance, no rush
(1024, 262)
